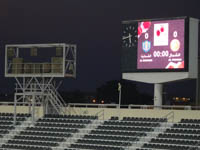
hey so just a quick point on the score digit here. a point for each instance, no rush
(175, 34)
(146, 36)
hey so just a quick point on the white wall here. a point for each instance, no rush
(154, 113)
(21, 109)
(108, 112)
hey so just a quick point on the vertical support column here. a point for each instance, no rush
(158, 90)
(6, 61)
(197, 92)
(29, 104)
(64, 57)
(17, 52)
(15, 109)
(33, 109)
(120, 92)
(23, 85)
(45, 106)
(75, 61)
(197, 100)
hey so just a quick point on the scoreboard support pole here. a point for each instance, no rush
(197, 100)
(158, 92)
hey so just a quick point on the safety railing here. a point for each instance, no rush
(131, 106)
(57, 94)
(169, 116)
(18, 104)
(89, 105)
(100, 114)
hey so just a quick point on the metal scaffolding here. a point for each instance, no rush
(35, 75)
(38, 92)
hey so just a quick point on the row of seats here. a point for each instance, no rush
(103, 142)
(11, 118)
(144, 149)
(70, 116)
(6, 123)
(64, 120)
(39, 138)
(126, 128)
(62, 125)
(18, 114)
(179, 136)
(114, 118)
(24, 147)
(145, 119)
(196, 121)
(120, 133)
(174, 141)
(183, 125)
(46, 134)
(168, 146)
(130, 123)
(52, 129)
(95, 147)
(183, 131)
(110, 137)
(6, 127)
(3, 131)
(28, 142)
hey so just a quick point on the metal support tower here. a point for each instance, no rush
(35, 73)
(36, 92)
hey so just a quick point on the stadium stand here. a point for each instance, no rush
(117, 134)
(184, 135)
(76, 132)
(48, 132)
(6, 124)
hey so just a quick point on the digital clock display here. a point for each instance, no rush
(161, 44)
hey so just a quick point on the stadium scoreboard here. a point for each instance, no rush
(155, 45)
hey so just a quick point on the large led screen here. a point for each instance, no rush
(161, 44)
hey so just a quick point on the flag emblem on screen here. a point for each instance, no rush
(161, 34)
(146, 46)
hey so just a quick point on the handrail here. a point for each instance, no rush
(85, 105)
(131, 106)
(58, 101)
(171, 112)
(59, 96)
(53, 103)
(80, 111)
(100, 114)
(18, 104)
(169, 116)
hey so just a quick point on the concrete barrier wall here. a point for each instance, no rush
(154, 113)
(21, 109)
(106, 113)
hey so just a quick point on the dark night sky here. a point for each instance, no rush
(94, 25)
